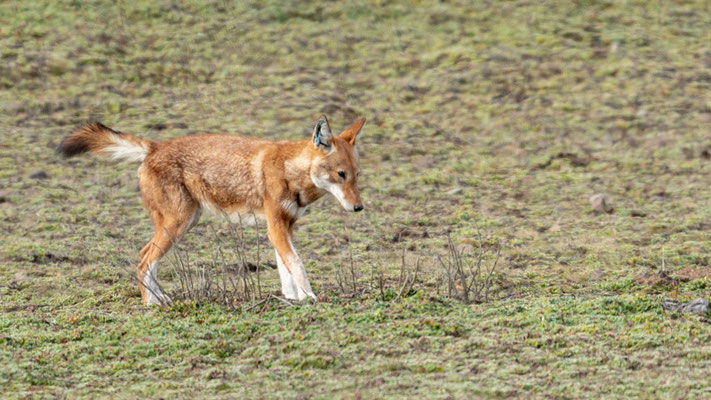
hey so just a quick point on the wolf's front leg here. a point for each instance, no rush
(288, 287)
(298, 274)
(294, 282)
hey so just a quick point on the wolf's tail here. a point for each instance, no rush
(98, 138)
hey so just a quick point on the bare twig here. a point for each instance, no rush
(257, 304)
(354, 279)
(285, 301)
(404, 284)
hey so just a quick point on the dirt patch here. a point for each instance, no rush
(575, 160)
(691, 274)
(664, 278)
(405, 233)
(654, 278)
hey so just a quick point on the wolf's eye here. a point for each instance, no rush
(342, 174)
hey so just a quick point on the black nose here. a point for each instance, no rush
(357, 208)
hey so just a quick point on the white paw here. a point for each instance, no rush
(289, 294)
(304, 294)
(158, 299)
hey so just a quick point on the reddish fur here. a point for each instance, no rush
(228, 173)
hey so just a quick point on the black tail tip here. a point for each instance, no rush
(70, 147)
(76, 143)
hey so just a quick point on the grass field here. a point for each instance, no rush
(503, 117)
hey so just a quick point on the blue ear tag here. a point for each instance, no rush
(318, 136)
(317, 139)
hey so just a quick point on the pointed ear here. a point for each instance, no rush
(350, 134)
(322, 134)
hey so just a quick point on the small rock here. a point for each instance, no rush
(21, 277)
(455, 191)
(601, 203)
(39, 175)
(696, 306)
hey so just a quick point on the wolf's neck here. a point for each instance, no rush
(297, 170)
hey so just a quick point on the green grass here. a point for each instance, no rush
(503, 115)
(621, 346)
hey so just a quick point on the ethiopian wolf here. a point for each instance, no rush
(238, 176)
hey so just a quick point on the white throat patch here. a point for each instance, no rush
(334, 189)
(292, 208)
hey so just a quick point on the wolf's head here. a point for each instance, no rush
(336, 167)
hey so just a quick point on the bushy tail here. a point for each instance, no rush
(98, 138)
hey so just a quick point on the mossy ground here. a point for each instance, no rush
(503, 115)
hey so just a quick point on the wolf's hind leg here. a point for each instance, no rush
(173, 211)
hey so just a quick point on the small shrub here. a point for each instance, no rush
(465, 277)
